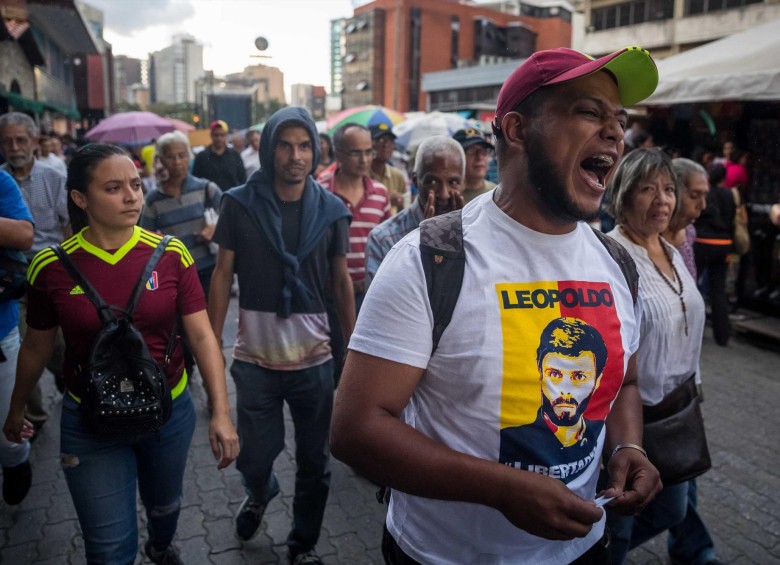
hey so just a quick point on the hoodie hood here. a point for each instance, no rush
(290, 116)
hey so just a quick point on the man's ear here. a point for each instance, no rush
(514, 127)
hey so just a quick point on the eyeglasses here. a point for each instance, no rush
(479, 152)
(385, 140)
(357, 153)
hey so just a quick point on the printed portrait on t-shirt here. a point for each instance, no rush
(563, 367)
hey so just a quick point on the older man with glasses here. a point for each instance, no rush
(366, 199)
(479, 152)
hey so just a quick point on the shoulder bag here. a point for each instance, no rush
(674, 435)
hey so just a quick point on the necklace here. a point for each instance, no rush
(678, 293)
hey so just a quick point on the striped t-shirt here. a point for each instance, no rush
(372, 210)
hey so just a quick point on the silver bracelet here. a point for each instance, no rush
(629, 446)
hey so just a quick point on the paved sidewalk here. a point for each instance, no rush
(738, 498)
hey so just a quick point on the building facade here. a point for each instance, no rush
(53, 63)
(388, 45)
(127, 72)
(311, 97)
(173, 71)
(667, 27)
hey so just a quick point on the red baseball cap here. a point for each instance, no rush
(218, 124)
(632, 67)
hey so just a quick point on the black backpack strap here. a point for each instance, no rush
(105, 311)
(150, 265)
(444, 262)
(206, 194)
(624, 261)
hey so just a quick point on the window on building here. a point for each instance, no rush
(454, 39)
(415, 31)
(695, 7)
(636, 12)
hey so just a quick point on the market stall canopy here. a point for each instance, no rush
(742, 66)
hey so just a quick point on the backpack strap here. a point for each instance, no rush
(150, 265)
(624, 261)
(444, 262)
(206, 194)
(105, 311)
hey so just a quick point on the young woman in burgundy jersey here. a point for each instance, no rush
(111, 251)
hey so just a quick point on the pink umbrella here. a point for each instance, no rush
(130, 128)
(181, 125)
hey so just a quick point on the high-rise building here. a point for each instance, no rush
(174, 70)
(336, 56)
(388, 45)
(127, 72)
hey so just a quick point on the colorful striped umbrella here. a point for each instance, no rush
(365, 116)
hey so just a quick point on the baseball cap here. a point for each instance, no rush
(471, 136)
(632, 67)
(379, 130)
(218, 124)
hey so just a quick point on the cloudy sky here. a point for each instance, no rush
(298, 32)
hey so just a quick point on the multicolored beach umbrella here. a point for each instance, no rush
(365, 116)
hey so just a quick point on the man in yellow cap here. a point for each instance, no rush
(218, 162)
(425, 417)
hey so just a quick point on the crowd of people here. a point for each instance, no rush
(494, 426)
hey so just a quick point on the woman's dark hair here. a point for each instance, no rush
(717, 174)
(326, 138)
(80, 170)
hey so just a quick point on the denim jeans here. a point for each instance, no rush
(689, 541)
(666, 510)
(260, 397)
(11, 454)
(102, 476)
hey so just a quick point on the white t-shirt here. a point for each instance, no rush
(481, 391)
(666, 357)
(251, 160)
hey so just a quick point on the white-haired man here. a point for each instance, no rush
(438, 174)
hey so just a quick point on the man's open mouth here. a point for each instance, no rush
(597, 168)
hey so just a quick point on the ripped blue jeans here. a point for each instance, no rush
(102, 476)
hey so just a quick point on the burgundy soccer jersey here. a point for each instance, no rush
(55, 299)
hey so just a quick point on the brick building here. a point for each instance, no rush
(388, 45)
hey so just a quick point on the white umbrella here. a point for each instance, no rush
(416, 128)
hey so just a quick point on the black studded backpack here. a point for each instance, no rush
(125, 392)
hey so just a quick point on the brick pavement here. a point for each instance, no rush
(738, 498)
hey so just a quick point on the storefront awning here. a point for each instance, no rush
(20, 102)
(742, 66)
(71, 113)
